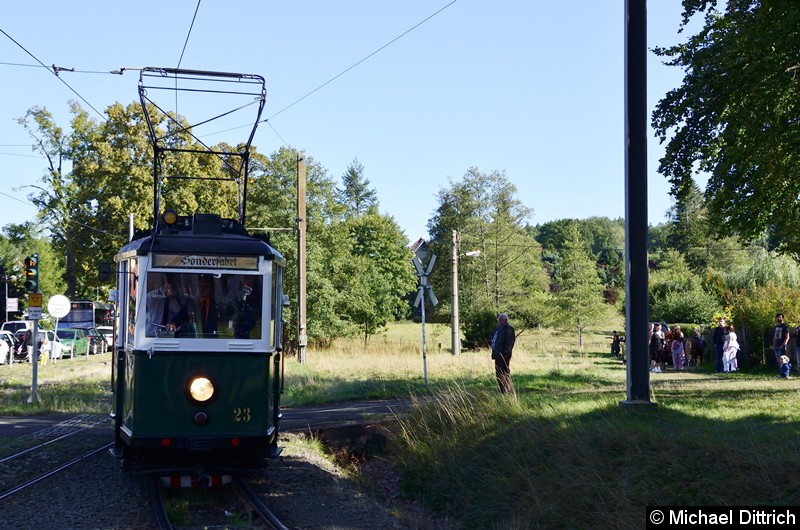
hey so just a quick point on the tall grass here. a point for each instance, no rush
(562, 453)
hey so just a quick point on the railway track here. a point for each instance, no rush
(23, 468)
(244, 497)
(49, 473)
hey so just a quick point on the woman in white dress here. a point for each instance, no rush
(729, 349)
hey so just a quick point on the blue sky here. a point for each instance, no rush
(533, 88)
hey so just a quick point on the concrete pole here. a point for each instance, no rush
(455, 324)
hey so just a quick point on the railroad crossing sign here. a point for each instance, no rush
(423, 273)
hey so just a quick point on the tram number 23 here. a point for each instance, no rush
(241, 414)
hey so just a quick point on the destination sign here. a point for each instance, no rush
(193, 261)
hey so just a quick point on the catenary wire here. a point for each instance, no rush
(54, 71)
(186, 42)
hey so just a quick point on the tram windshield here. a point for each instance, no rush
(194, 305)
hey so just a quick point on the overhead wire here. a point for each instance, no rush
(54, 71)
(186, 42)
(340, 74)
(406, 32)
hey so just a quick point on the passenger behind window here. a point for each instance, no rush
(207, 311)
(246, 309)
(167, 313)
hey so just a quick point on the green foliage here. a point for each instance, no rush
(478, 326)
(579, 295)
(734, 116)
(355, 195)
(764, 268)
(672, 274)
(690, 228)
(756, 306)
(695, 306)
(508, 274)
(378, 275)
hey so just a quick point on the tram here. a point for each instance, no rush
(198, 367)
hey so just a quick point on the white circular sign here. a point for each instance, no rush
(58, 306)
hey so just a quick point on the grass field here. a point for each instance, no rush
(559, 453)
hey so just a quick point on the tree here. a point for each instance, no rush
(690, 229)
(377, 276)
(86, 208)
(507, 275)
(579, 293)
(356, 195)
(735, 116)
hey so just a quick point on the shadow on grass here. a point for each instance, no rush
(508, 463)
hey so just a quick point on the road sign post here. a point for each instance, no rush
(424, 287)
(34, 313)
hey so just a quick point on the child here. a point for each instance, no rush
(786, 367)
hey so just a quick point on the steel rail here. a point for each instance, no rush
(257, 504)
(53, 471)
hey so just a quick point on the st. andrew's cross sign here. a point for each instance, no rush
(424, 285)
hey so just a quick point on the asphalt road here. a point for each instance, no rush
(295, 419)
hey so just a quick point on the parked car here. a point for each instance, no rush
(108, 332)
(97, 341)
(6, 346)
(15, 325)
(75, 341)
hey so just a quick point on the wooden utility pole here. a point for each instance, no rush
(302, 333)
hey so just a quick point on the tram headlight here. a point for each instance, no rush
(201, 389)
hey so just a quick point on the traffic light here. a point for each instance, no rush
(32, 273)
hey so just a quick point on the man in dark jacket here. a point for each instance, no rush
(502, 345)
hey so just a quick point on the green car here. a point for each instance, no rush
(75, 341)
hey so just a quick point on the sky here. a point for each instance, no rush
(419, 91)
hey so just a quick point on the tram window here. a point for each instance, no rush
(133, 279)
(210, 305)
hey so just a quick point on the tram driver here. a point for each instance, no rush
(166, 309)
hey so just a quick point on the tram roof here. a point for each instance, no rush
(202, 234)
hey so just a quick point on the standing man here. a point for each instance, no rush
(780, 339)
(207, 306)
(719, 343)
(502, 345)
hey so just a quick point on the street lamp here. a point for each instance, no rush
(455, 324)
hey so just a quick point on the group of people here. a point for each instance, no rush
(672, 346)
(171, 311)
(726, 347)
(23, 347)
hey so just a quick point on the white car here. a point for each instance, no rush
(108, 333)
(6, 346)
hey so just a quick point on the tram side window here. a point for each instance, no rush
(132, 281)
(191, 305)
